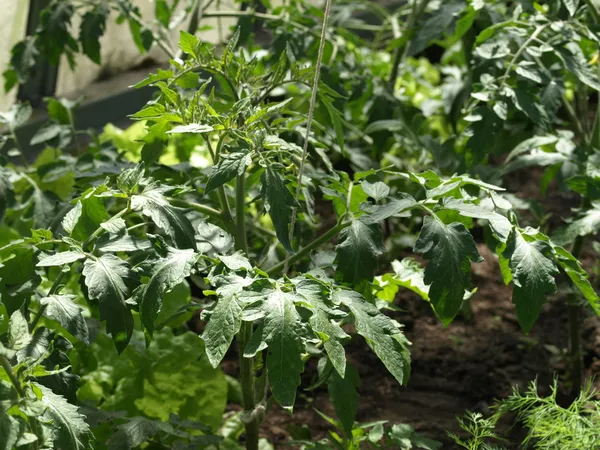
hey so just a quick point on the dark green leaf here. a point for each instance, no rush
(107, 280)
(228, 167)
(278, 203)
(167, 273)
(225, 319)
(450, 248)
(357, 253)
(382, 335)
(152, 203)
(62, 309)
(69, 429)
(533, 271)
(344, 397)
(93, 24)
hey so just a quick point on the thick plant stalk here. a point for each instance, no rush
(574, 331)
(251, 418)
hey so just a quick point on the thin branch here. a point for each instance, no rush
(311, 110)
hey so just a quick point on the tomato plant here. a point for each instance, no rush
(271, 181)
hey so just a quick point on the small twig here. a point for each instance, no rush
(311, 110)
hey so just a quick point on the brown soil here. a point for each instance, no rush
(465, 366)
(455, 369)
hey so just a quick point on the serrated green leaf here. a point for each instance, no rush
(531, 75)
(449, 249)
(572, 6)
(107, 279)
(228, 167)
(167, 273)
(357, 253)
(377, 190)
(280, 332)
(344, 396)
(152, 203)
(62, 309)
(586, 223)
(334, 115)
(236, 261)
(575, 62)
(72, 217)
(225, 319)
(196, 128)
(321, 322)
(578, 276)
(395, 207)
(188, 43)
(126, 243)
(59, 259)
(129, 179)
(18, 331)
(134, 433)
(533, 272)
(214, 239)
(411, 275)
(6, 193)
(69, 429)
(382, 335)
(278, 203)
(93, 24)
(500, 225)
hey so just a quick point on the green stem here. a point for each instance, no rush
(211, 212)
(240, 213)
(574, 331)
(247, 381)
(326, 237)
(13, 135)
(100, 231)
(5, 363)
(402, 51)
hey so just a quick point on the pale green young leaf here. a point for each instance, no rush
(18, 331)
(63, 309)
(450, 249)
(285, 346)
(188, 43)
(226, 317)
(533, 271)
(228, 167)
(380, 332)
(411, 275)
(59, 259)
(278, 203)
(167, 272)
(69, 431)
(107, 279)
(578, 276)
(357, 253)
(152, 203)
(129, 179)
(378, 189)
(344, 396)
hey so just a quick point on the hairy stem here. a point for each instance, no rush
(240, 212)
(309, 119)
(247, 381)
(11, 375)
(574, 331)
(402, 51)
(324, 238)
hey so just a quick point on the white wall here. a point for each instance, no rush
(119, 53)
(13, 20)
